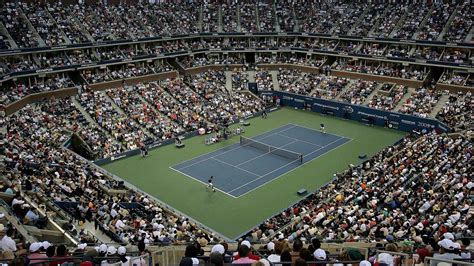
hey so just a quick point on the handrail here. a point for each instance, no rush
(457, 262)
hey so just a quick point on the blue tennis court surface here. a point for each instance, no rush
(239, 169)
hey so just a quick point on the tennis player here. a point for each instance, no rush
(322, 128)
(210, 185)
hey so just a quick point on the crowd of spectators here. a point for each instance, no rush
(454, 55)
(366, 67)
(240, 78)
(19, 30)
(328, 87)
(372, 49)
(398, 195)
(287, 81)
(436, 22)
(346, 47)
(20, 89)
(388, 98)
(284, 14)
(248, 15)
(183, 115)
(197, 61)
(413, 19)
(289, 59)
(454, 78)
(398, 51)
(460, 25)
(228, 105)
(129, 100)
(370, 19)
(358, 92)
(125, 71)
(266, 17)
(347, 16)
(382, 69)
(33, 155)
(210, 17)
(119, 125)
(17, 64)
(59, 24)
(44, 24)
(421, 101)
(318, 17)
(230, 13)
(67, 22)
(388, 22)
(458, 111)
(427, 53)
(264, 80)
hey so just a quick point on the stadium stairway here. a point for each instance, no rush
(470, 35)
(276, 84)
(219, 19)
(239, 26)
(251, 76)
(441, 103)
(404, 99)
(228, 80)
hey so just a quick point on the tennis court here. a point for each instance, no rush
(242, 167)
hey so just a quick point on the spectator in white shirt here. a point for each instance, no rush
(7, 242)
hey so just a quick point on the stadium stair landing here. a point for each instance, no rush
(276, 84)
(228, 80)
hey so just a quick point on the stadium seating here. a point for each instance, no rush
(102, 73)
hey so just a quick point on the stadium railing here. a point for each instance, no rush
(445, 262)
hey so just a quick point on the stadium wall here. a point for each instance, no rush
(358, 113)
(278, 66)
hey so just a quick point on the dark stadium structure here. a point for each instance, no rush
(367, 105)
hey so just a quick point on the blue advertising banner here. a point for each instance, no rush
(360, 113)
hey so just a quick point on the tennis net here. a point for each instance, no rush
(271, 149)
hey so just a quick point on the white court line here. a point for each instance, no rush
(265, 153)
(242, 169)
(315, 130)
(269, 181)
(307, 142)
(204, 183)
(238, 147)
